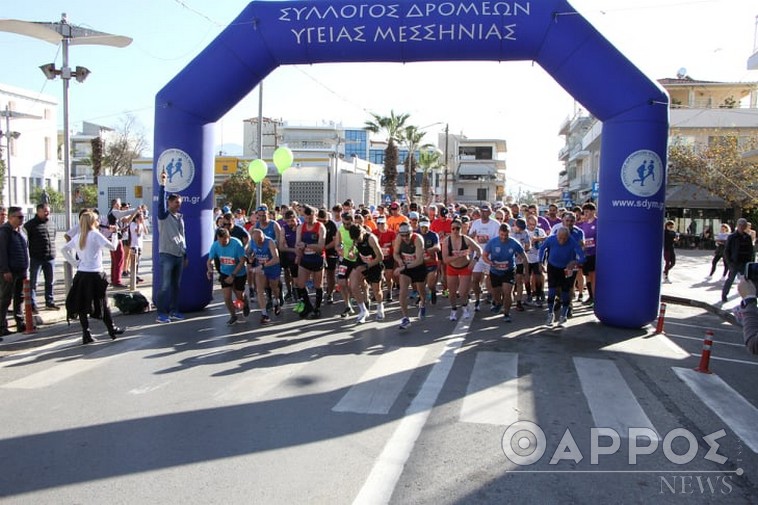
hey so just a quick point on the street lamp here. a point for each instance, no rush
(66, 35)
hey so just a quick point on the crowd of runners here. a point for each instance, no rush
(507, 257)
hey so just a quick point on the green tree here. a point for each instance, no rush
(411, 137)
(96, 160)
(391, 126)
(55, 198)
(240, 190)
(128, 143)
(717, 167)
(84, 197)
(429, 160)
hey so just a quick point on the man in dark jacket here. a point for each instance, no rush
(738, 252)
(14, 263)
(40, 231)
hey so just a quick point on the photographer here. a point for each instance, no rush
(749, 311)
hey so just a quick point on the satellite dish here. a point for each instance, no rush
(681, 73)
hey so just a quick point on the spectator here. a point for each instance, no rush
(747, 291)
(40, 231)
(172, 253)
(738, 251)
(14, 263)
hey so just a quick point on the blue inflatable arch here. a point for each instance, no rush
(633, 110)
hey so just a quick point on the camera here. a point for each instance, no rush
(751, 272)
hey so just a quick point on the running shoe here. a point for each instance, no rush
(316, 314)
(422, 312)
(496, 308)
(405, 323)
(177, 316)
(549, 320)
(380, 314)
(453, 315)
(507, 318)
(277, 310)
(299, 307)
(231, 321)
(162, 318)
(519, 307)
(562, 322)
(476, 306)
(361, 317)
(265, 319)
(466, 313)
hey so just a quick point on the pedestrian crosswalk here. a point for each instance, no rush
(374, 383)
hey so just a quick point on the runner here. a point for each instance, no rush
(459, 255)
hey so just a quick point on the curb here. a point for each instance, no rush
(726, 315)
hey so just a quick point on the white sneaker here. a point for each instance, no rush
(549, 320)
(562, 322)
(380, 315)
(453, 315)
(361, 317)
(466, 313)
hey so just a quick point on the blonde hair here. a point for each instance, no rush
(87, 222)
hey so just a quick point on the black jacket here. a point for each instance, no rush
(738, 250)
(14, 251)
(41, 236)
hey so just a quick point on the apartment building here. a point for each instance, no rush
(28, 142)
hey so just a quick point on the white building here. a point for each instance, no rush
(29, 145)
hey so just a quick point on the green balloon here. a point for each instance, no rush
(257, 170)
(283, 159)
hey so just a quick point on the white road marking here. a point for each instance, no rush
(657, 346)
(68, 369)
(379, 387)
(492, 392)
(383, 478)
(610, 399)
(736, 412)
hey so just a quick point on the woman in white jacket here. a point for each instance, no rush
(87, 294)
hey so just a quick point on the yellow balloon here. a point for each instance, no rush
(283, 159)
(257, 169)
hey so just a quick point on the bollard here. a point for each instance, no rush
(661, 316)
(28, 316)
(705, 357)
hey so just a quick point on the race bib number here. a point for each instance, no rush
(342, 270)
(366, 259)
(225, 260)
(589, 242)
(482, 239)
(386, 251)
(408, 258)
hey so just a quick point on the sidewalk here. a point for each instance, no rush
(689, 285)
(46, 322)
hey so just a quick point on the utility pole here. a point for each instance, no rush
(447, 160)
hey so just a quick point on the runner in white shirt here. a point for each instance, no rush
(482, 230)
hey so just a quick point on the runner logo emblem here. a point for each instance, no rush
(642, 173)
(179, 168)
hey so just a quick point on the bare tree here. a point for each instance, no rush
(129, 142)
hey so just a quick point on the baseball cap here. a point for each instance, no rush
(486, 208)
(413, 215)
(443, 211)
(424, 222)
(381, 219)
(394, 205)
(404, 228)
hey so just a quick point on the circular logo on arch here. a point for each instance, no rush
(642, 173)
(179, 168)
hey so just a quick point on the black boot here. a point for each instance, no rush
(87, 337)
(115, 330)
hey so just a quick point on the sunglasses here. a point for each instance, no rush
(454, 228)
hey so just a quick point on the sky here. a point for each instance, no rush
(515, 101)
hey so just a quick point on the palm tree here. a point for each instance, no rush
(392, 126)
(411, 137)
(428, 160)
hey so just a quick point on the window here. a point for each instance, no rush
(460, 191)
(475, 152)
(25, 188)
(481, 194)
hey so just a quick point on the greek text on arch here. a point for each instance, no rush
(434, 33)
(448, 9)
(350, 11)
(416, 33)
(378, 11)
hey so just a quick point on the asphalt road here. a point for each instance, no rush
(327, 411)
